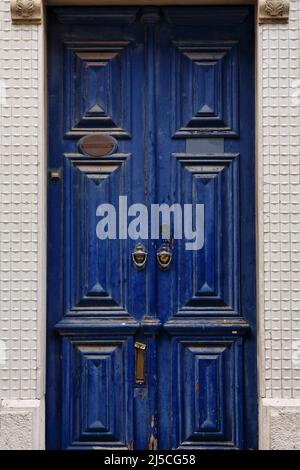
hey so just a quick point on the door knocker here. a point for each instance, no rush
(139, 256)
(164, 256)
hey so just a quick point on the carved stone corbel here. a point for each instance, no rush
(26, 11)
(273, 11)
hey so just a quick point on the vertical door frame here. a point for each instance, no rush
(42, 190)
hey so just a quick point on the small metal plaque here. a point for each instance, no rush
(97, 145)
(209, 145)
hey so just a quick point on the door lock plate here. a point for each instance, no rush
(140, 353)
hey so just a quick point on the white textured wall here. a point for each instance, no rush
(279, 196)
(280, 114)
(20, 157)
(22, 192)
(18, 205)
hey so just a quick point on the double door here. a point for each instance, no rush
(151, 229)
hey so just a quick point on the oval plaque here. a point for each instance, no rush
(97, 145)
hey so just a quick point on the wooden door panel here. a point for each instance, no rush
(92, 284)
(205, 87)
(208, 380)
(210, 284)
(97, 390)
(97, 88)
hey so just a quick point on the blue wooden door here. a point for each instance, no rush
(164, 356)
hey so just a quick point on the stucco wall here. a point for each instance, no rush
(22, 232)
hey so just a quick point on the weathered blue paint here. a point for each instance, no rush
(155, 79)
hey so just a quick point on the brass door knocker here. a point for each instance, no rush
(164, 256)
(139, 256)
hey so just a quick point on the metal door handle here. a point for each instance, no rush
(139, 256)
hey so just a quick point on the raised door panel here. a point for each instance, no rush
(207, 391)
(97, 88)
(95, 269)
(209, 284)
(97, 393)
(204, 88)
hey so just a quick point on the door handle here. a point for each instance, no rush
(164, 256)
